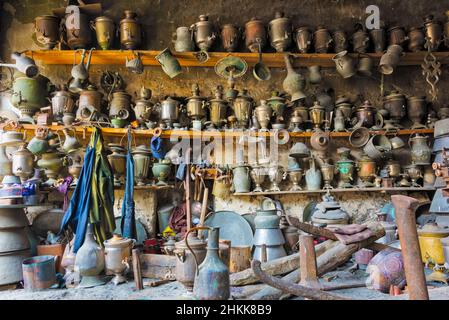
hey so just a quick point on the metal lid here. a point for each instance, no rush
(118, 240)
(433, 230)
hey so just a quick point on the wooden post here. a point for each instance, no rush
(307, 262)
(136, 269)
(225, 251)
(240, 258)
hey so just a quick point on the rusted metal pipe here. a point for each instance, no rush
(408, 236)
(307, 262)
(293, 288)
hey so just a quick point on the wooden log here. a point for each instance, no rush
(307, 262)
(276, 267)
(341, 286)
(240, 259)
(326, 262)
(243, 292)
(322, 232)
(293, 288)
(136, 269)
(157, 266)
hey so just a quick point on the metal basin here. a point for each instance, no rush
(12, 218)
(11, 266)
(13, 240)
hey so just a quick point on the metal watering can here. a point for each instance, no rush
(212, 275)
(80, 71)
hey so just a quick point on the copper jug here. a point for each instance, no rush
(340, 41)
(446, 30)
(230, 36)
(203, 33)
(46, 29)
(303, 39)
(130, 31)
(294, 82)
(255, 35)
(434, 32)
(360, 40)
(396, 35)
(416, 39)
(78, 38)
(378, 39)
(322, 40)
(280, 32)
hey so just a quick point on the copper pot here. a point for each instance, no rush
(396, 35)
(434, 32)
(303, 38)
(280, 32)
(340, 41)
(322, 40)
(230, 36)
(130, 31)
(78, 38)
(47, 30)
(255, 35)
(416, 39)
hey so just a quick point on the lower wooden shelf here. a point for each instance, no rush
(337, 190)
(147, 187)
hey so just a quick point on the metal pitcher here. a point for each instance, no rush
(344, 64)
(420, 150)
(313, 176)
(241, 179)
(212, 275)
(183, 40)
(104, 29)
(169, 63)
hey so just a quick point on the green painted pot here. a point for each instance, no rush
(161, 170)
(29, 94)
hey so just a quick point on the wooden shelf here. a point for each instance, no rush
(337, 190)
(147, 187)
(148, 133)
(188, 59)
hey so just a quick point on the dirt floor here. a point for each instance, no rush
(175, 291)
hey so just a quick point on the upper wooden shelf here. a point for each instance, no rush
(188, 59)
(121, 132)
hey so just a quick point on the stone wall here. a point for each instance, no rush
(160, 19)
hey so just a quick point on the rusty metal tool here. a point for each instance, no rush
(408, 236)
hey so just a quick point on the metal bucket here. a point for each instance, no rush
(39, 272)
(377, 147)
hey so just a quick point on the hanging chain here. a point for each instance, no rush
(431, 70)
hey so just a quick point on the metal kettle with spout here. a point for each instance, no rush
(80, 72)
(212, 275)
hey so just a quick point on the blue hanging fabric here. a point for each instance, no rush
(77, 213)
(128, 224)
(156, 147)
